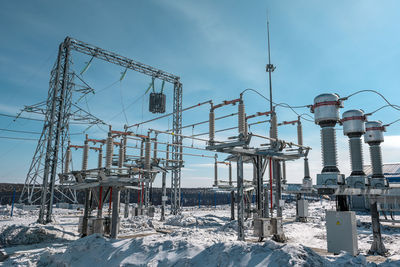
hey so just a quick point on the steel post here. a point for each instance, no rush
(240, 198)
(115, 211)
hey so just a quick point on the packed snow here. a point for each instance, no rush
(196, 237)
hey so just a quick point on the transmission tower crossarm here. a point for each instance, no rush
(122, 61)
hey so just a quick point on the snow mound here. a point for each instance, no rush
(12, 235)
(100, 251)
(184, 220)
(139, 223)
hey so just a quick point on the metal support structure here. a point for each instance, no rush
(266, 203)
(147, 166)
(176, 157)
(100, 157)
(54, 136)
(259, 185)
(278, 186)
(100, 206)
(164, 195)
(284, 172)
(116, 193)
(240, 198)
(41, 179)
(232, 205)
(377, 243)
(127, 200)
(216, 170)
(374, 137)
(86, 213)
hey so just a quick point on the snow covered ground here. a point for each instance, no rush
(197, 237)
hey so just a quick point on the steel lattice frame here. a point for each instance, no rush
(41, 179)
(176, 156)
(46, 159)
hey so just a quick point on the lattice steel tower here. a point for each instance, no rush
(58, 109)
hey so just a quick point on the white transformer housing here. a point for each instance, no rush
(353, 122)
(373, 132)
(326, 108)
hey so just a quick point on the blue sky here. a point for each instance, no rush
(218, 48)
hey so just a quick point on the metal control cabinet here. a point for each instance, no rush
(302, 208)
(150, 211)
(262, 227)
(277, 226)
(97, 225)
(341, 232)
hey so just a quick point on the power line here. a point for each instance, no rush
(376, 110)
(285, 105)
(32, 119)
(15, 117)
(392, 122)
(17, 131)
(169, 114)
(18, 138)
(28, 132)
(375, 92)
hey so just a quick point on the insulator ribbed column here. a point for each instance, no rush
(353, 122)
(376, 161)
(246, 128)
(109, 150)
(147, 154)
(299, 133)
(273, 131)
(211, 125)
(356, 156)
(155, 148)
(374, 137)
(142, 149)
(241, 118)
(67, 159)
(329, 158)
(326, 115)
(124, 142)
(85, 155)
(100, 159)
(121, 154)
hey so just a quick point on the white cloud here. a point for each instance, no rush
(12, 110)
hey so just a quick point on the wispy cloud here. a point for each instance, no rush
(12, 110)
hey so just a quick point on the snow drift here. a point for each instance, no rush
(12, 235)
(100, 251)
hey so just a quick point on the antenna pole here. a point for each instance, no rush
(269, 68)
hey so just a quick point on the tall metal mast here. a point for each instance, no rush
(269, 68)
(276, 164)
